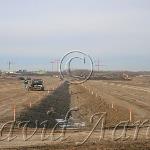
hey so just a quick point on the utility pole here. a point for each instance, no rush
(57, 63)
(98, 65)
(9, 63)
(52, 63)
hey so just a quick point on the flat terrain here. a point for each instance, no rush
(133, 95)
(13, 94)
(121, 100)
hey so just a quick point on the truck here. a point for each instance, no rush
(36, 84)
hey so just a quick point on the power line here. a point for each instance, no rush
(52, 65)
(57, 64)
(98, 65)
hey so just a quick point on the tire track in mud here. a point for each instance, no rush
(124, 96)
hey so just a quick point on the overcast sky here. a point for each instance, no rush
(33, 32)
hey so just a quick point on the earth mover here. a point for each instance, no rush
(36, 84)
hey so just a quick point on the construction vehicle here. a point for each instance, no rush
(36, 84)
(125, 77)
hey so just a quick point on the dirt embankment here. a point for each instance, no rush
(89, 104)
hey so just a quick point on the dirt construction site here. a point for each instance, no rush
(118, 104)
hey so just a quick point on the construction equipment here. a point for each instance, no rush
(36, 84)
(125, 77)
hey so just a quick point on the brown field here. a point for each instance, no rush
(117, 98)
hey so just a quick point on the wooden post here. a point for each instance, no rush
(130, 113)
(14, 112)
(112, 106)
(30, 104)
(96, 94)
